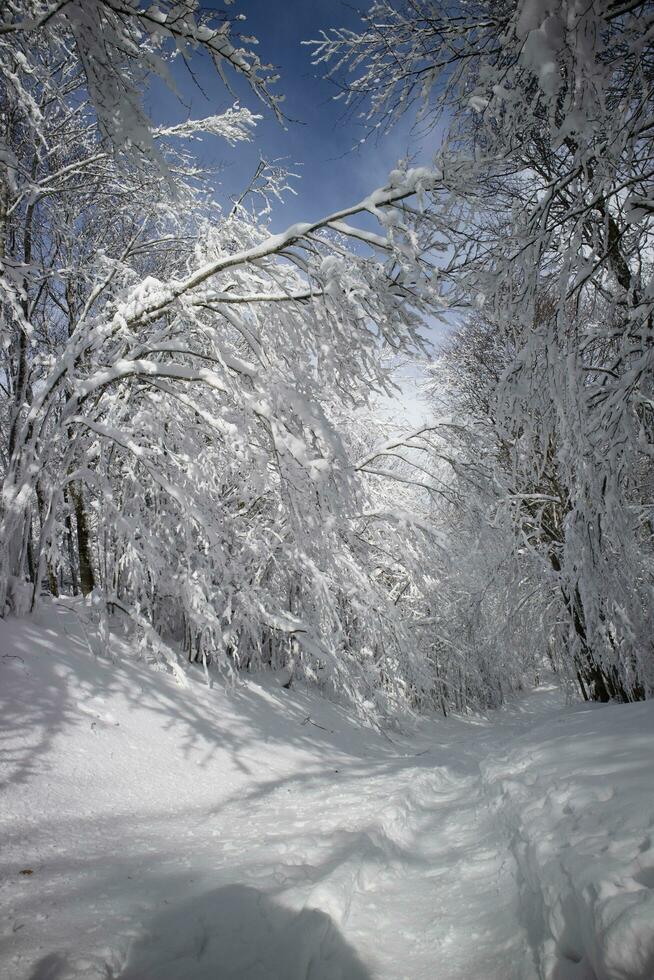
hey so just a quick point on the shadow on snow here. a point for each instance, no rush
(231, 933)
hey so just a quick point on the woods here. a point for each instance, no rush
(190, 425)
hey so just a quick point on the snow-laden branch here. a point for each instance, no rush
(235, 125)
(415, 181)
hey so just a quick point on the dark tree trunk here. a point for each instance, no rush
(86, 575)
(596, 683)
(68, 524)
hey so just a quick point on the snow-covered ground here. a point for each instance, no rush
(161, 832)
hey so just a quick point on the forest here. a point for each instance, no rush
(326, 516)
(189, 433)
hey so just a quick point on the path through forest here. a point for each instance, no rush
(255, 833)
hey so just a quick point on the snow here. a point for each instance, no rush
(257, 832)
(234, 125)
(578, 799)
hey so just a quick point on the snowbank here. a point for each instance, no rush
(152, 830)
(577, 796)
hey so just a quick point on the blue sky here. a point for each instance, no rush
(320, 136)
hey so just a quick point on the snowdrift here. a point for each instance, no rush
(577, 797)
(153, 830)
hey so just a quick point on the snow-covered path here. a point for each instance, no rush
(405, 856)
(260, 834)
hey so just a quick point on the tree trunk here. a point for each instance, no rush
(596, 684)
(36, 567)
(68, 525)
(86, 575)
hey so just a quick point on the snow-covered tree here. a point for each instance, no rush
(550, 104)
(176, 377)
